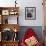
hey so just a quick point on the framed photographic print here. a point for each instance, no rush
(5, 12)
(30, 13)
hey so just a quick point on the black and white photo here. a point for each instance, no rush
(30, 13)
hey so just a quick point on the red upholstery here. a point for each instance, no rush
(29, 33)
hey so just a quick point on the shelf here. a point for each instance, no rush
(11, 41)
(9, 19)
(5, 12)
(10, 26)
(9, 10)
(8, 15)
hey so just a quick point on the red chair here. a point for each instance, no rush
(29, 33)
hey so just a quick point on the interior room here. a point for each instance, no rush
(22, 23)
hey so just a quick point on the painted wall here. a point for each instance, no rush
(39, 12)
(26, 3)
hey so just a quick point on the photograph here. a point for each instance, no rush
(30, 13)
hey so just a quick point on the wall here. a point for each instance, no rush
(39, 12)
(27, 3)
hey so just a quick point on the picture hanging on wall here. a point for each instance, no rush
(30, 13)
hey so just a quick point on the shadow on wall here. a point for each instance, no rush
(37, 29)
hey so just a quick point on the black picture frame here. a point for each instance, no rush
(30, 13)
